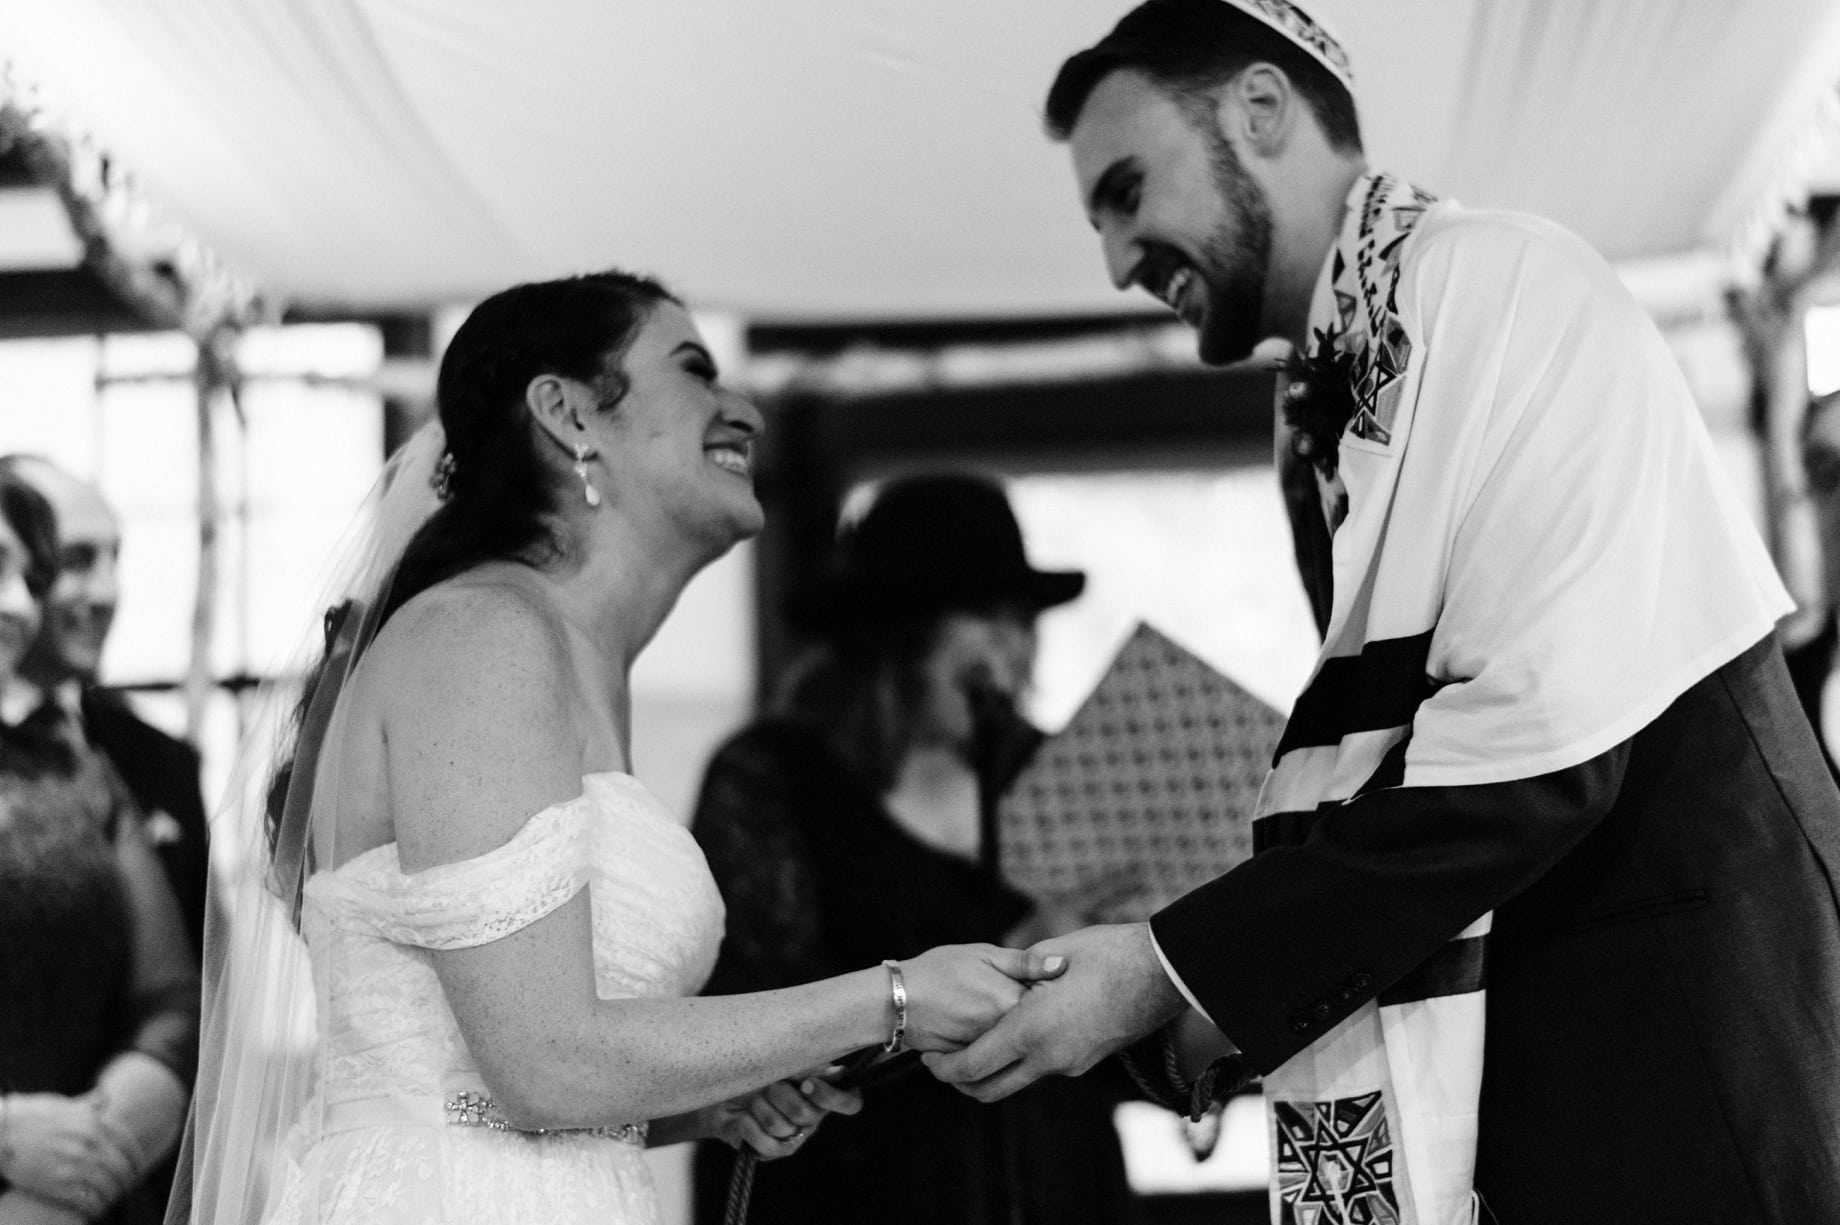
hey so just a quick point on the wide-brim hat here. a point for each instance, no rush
(927, 545)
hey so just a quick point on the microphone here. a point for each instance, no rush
(1001, 739)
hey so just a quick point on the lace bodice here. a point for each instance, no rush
(388, 1032)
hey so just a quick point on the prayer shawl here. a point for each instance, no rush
(1536, 554)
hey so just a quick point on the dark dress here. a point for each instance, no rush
(81, 983)
(819, 880)
(162, 775)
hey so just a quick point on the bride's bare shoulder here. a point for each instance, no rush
(477, 719)
(469, 636)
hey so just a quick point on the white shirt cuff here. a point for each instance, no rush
(1177, 979)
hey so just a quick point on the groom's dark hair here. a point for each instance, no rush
(1190, 47)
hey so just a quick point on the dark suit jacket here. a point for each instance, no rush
(1663, 1033)
(162, 773)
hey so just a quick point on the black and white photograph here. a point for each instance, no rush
(996, 612)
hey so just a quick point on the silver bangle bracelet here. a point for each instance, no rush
(897, 992)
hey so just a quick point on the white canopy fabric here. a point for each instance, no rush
(853, 159)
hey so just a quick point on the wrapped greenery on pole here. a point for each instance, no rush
(167, 278)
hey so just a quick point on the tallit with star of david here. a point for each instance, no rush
(1536, 554)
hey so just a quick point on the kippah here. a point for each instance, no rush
(1304, 30)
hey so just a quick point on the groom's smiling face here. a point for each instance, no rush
(1176, 213)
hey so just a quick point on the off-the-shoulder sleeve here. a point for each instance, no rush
(471, 902)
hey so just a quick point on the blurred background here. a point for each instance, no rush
(234, 237)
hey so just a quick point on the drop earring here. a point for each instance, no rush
(589, 493)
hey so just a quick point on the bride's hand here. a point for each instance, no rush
(957, 991)
(777, 1120)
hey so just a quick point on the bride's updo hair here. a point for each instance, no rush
(499, 493)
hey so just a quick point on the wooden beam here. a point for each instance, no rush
(68, 302)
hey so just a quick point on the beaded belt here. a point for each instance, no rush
(463, 1108)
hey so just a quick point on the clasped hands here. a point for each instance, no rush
(991, 1021)
(63, 1158)
(1067, 1002)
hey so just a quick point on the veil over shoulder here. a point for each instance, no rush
(259, 1062)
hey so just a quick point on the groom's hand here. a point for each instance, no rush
(1112, 991)
(956, 992)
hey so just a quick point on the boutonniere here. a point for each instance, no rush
(162, 829)
(1319, 403)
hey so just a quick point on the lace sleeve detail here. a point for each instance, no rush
(469, 903)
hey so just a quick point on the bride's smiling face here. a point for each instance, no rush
(678, 445)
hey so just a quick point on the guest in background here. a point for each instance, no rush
(160, 771)
(98, 990)
(858, 817)
(1811, 655)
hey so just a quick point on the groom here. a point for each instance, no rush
(1545, 910)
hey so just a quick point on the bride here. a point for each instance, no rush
(506, 929)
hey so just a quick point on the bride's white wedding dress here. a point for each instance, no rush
(406, 1132)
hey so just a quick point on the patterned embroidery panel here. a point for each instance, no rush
(1334, 1162)
(1154, 781)
(1367, 306)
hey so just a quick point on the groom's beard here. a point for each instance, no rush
(1235, 259)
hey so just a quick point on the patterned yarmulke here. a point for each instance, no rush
(1304, 30)
(1153, 781)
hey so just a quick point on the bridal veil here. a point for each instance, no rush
(260, 1061)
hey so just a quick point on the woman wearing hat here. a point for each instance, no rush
(856, 814)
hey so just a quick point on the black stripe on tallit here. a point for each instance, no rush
(1391, 772)
(1381, 687)
(1458, 968)
(1285, 828)
(1291, 828)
